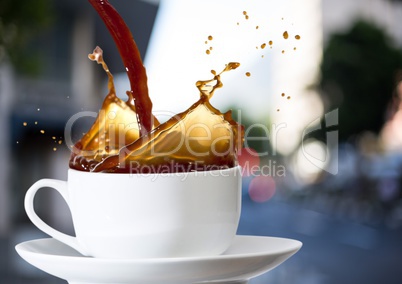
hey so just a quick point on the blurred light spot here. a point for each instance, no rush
(262, 188)
(288, 134)
(304, 169)
(249, 160)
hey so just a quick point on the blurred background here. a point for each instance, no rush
(321, 106)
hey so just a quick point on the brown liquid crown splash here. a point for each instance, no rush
(201, 138)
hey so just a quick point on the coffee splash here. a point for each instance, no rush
(201, 138)
(127, 138)
(116, 126)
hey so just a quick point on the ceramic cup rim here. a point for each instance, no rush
(213, 172)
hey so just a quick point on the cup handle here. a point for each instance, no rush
(61, 187)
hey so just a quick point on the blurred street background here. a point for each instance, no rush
(322, 110)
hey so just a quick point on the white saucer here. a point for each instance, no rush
(247, 257)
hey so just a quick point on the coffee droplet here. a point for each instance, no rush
(270, 42)
(297, 37)
(283, 94)
(248, 74)
(24, 123)
(208, 51)
(210, 37)
(285, 35)
(42, 131)
(263, 45)
(288, 97)
(257, 27)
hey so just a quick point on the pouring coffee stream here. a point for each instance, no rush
(132, 62)
(126, 136)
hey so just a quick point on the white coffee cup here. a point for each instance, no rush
(147, 215)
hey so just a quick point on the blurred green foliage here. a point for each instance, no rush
(359, 71)
(20, 21)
